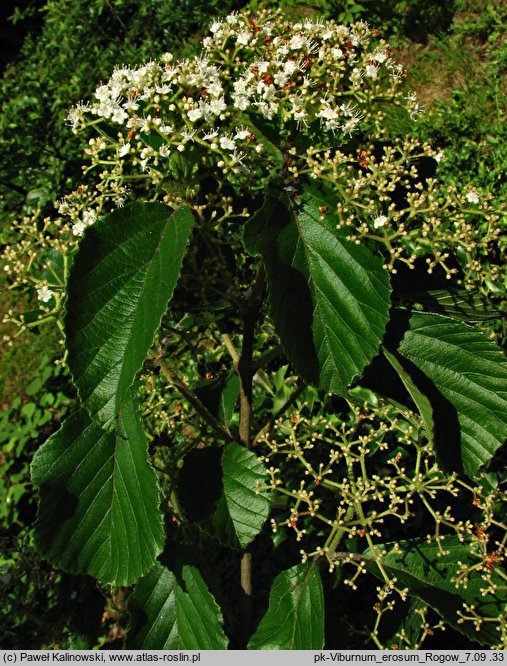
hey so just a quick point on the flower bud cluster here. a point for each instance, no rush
(364, 479)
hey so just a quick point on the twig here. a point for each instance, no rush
(199, 407)
(244, 368)
(229, 345)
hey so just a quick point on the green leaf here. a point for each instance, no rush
(456, 303)
(329, 298)
(225, 496)
(295, 617)
(429, 576)
(457, 377)
(244, 506)
(99, 499)
(220, 395)
(266, 135)
(174, 611)
(123, 277)
(409, 631)
(54, 267)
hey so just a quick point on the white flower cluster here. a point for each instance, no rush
(306, 77)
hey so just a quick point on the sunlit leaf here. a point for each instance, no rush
(295, 617)
(174, 611)
(122, 279)
(329, 297)
(99, 499)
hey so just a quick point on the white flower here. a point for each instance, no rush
(78, 228)
(350, 125)
(243, 38)
(348, 109)
(241, 102)
(124, 150)
(130, 104)
(209, 136)
(268, 110)
(356, 76)
(472, 197)
(216, 106)
(89, 217)
(280, 78)
(439, 156)
(226, 143)
(119, 115)
(194, 114)
(327, 112)
(380, 221)
(379, 56)
(76, 114)
(242, 134)
(44, 294)
(297, 42)
(290, 66)
(371, 71)
(170, 73)
(163, 90)
(215, 89)
(188, 135)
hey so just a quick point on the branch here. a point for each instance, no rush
(244, 365)
(229, 345)
(199, 407)
(244, 368)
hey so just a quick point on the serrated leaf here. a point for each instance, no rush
(245, 505)
(123, 276)
(458, 378)
(174, 611)
(329, 297)
(99, 499)
(295, 617)
(225, 496)
(430, 577)
(456, 303)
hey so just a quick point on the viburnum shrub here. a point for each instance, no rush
(276, 319)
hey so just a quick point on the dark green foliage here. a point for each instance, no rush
(423, 18)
